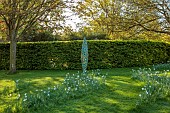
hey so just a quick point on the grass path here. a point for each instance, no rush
(119, 95)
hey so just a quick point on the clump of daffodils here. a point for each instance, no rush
(73, 86)
(157, 84)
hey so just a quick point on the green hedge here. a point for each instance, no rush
(102, 54)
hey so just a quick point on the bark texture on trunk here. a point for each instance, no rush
(13, 45)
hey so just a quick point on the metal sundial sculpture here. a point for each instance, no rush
(84, 56)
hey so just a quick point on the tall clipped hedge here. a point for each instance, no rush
(102, 54)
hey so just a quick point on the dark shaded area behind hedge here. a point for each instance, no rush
(102, 54)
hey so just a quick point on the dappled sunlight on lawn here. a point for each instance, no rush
(109, 100)
(29, 81)
(46, 81)
(119, 95)
(126, 94)
(6, 83)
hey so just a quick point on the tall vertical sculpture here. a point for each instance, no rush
(84, 56)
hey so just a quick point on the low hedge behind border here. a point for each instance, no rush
(102, 54)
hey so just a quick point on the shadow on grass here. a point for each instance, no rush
(118, 96)
(28, 82)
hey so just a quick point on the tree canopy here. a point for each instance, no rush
(19, 16)
(126, 15)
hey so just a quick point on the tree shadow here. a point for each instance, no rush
(119, 95)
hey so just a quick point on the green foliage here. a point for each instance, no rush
(4, 56)
(97, 36)
(102, 54)
(35, 36)
(89, 36)
(110, 54)
(112, 16)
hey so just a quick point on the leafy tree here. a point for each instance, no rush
(20, 15)
(101, 15)
(2, 30)
(132, 16)
(39, 33)
(148, 15)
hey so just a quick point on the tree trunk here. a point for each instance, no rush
(13, 44)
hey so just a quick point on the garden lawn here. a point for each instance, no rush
(119, 95)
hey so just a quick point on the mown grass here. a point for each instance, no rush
(119, 95)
